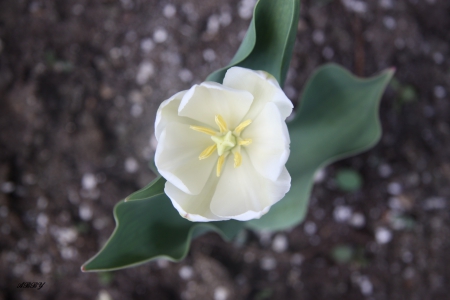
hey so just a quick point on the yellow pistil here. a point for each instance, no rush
(241, 126)
(203, 130)
(245, 142)
(207, 152)
(221, 123)
(220, 162)
(237, 159)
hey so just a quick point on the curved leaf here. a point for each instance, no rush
(149, 229)
(155, 187)
(269, 41)
(337, 118)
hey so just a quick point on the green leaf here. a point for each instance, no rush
(149, 229)
(155, 187)
(269, 41)
(337, 118)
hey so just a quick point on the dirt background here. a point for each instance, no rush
(80, 82)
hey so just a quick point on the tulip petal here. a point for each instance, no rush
(168, 112)
(194, 207)
(177, 157)
(269, 149)
(243, 194)
(205, 101)
(263, 86)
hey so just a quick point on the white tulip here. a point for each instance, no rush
(223, 148)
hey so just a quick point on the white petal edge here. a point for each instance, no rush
(269, 149)
(177, 160)
(194, 207)
(168, 112)
(203, 102)
(263, 86)
(243, 194)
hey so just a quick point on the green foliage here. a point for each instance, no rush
(151, 228)
(269, 41)
(348, 180)
(337, 118)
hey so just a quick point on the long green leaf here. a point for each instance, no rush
(337, 118)
(269, 41)
(149, 229)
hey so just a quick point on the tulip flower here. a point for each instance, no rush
(223, 147)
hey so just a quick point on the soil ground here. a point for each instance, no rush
(80, 82)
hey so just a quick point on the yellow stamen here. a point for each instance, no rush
(237, 159)
(220, 162)
(203, 130)
(221, 123)
(245, 142)
(207, 152)
(241, 126)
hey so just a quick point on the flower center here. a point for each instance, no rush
(225, 141)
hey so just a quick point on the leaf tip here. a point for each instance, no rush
(83, 268)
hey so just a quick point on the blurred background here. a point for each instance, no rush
(80, 83)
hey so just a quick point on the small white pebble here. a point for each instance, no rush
(297, 259)
(310, 228)
(221, 293)
(383, 235)
(8, 187)
(186, 272)
(85, 212)
(169, 11)
(4, 211)
(225, 19)
(42, 202)
(104, 295)
(131, 165)
(268, 263)
(366, 286)
(115, 53)
(136, 110)
(384, 170)
(438, 58)
(213, 25)
(209, 55)
(320, 175)
(386, 4)
(355, 6)
(160, 35)
(357, 220)
(147, 45)
(439, 92)
(245, 9)
(280, 243)
(185, 75)
(389, 23)
(145, 72)
(394, 188)
(318, 37)
(68, 252)
(46, 266)
(88, 182)
(42, 220)
(328, 52)
(435, 203)
(342, 213)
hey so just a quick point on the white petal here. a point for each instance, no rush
(263, 86)
(243, 194)
(203, 102)
(269, 149)
(194, 207)
(177, 157)
(168, 112)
